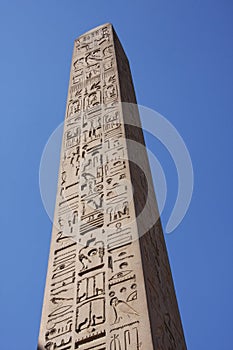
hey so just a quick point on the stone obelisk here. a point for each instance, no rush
(109, 284)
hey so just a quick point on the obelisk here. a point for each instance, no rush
(109, 284)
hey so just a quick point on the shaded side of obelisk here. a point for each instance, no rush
(166, 326)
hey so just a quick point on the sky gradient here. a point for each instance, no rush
(181, 55)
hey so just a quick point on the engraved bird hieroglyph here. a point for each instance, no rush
(122, 310)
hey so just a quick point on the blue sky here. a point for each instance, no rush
(181, 55)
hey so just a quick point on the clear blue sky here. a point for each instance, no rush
(181, 55)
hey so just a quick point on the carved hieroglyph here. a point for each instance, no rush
(105, 288)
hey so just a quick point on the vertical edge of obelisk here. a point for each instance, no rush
(152, 241)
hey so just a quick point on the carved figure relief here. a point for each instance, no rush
(74, 107)
(121, 236)
(90, 287)
(93, 71)
(122, 310)
(91, 256)
(127, 338)
(108, 64)
(108, 51)
(59, 344)
(90, 314)
(110, 93)
(112, 121)
(93, 57)
(118, 213)
(72, 137)
(68, 222)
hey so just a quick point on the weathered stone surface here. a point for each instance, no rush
(105, 287)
